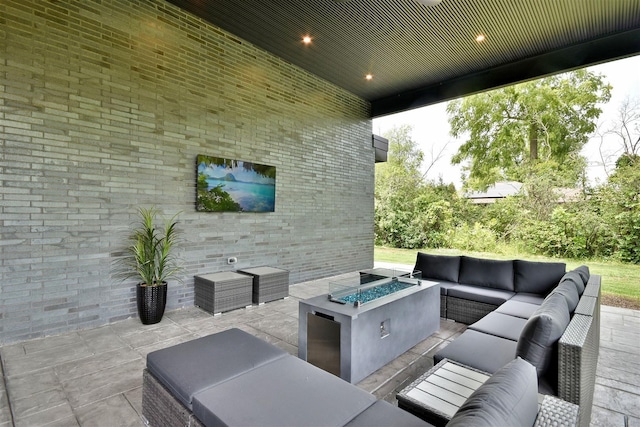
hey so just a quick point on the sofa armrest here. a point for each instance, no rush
(556, 412)
(577, 359)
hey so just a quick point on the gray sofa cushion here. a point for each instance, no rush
(569, 292)
(489, 273)
(530, 298)
(480, 294)
(537, 277)
(538, 341)
(508, 398)
(518, 308)
(575, 278)
(445, 286)
(583, 271)
(500, 325)
(442, 267)
(479, 350)
(383, 413)
(286, 392)
(193, 366)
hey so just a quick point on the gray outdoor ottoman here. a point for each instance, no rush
(224, 291)
(269, 283)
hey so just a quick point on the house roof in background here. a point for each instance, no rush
(499, 190)
(420, 55)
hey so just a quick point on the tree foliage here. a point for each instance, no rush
(511, 130)
(601, 222)
(410, 213)
(627, 126)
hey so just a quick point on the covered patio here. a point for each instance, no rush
(93, 377)
(106, 105)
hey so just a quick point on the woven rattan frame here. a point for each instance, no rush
(443, 306)
(577, 359)
(556, 412)
(160, 408)
(467, 311)
(222, 295)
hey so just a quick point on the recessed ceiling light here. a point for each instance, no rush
(369, 76)
(306, 40)
(480, 38)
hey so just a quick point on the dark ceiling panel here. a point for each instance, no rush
(418, 53)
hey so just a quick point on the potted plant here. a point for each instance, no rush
(150, 258)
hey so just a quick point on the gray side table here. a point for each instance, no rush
(224, 291)
(269, 283)
(438, 394)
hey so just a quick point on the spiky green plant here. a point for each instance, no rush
(150, 256)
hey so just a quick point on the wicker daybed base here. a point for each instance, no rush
(160, 407)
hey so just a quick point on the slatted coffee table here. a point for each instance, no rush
(438, 393)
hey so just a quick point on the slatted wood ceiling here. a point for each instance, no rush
(406, 45)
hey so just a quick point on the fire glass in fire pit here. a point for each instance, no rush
(370, 288)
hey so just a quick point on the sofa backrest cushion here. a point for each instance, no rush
(442, 267)
(539, 337)
(537, 277)
(570, 293)
(489, 273)
(583, 271)
(508, 398)
(574, 278)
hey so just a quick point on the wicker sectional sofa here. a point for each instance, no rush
(516, 308)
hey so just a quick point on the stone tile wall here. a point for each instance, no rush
(104, 107)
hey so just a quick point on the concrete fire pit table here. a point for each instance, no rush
(353, 336)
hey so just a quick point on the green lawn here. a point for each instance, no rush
(618, 280)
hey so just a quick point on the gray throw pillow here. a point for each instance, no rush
(508, 398)
(539, 337)
(574, 278)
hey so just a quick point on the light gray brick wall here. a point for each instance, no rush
(104, 107)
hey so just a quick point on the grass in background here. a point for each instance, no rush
(620, 282)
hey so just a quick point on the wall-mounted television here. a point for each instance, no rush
(229, 185)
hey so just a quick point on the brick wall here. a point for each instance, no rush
(104, 107)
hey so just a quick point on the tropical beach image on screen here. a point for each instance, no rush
(234, 185)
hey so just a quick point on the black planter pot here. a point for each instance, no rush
(151, 303)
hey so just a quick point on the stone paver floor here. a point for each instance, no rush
(94, 377)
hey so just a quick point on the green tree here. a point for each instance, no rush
(397, 184)
(409, 212)
(620, 207)
(511, 130)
